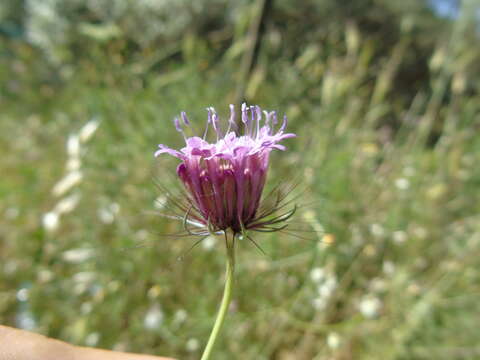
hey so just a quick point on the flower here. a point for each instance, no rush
(370, 306)
(224, 180)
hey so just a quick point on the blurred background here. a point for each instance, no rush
(384, 97)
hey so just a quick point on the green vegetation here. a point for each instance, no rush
(385, 100)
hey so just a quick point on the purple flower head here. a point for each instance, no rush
(224, 180)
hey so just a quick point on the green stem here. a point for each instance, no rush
(227, 296)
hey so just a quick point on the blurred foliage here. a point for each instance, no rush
(384, 96)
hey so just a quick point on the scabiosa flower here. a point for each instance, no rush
(224, 180)
(223, 183)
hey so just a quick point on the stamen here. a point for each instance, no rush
(268, 118)
(245, 119)
(215, 122)
(252, 114)
(179, 127)
(275, 120)
(231, 121)
(244, 113)
(284, 123)
(259, 118)
(209, 115)
(209, 120)
(185, 118)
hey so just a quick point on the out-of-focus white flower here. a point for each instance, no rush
(79, 255)
(73, 146)
(331, 282)
(209, 243)
(402, 184)
(327, 288)
(45, 9)
(73, 163)
(399, 237)
(105, 216)
(388, 267)
(377, 230)
(180, 316)
(84, 276)
(160, 202)
(108, 213)
(87, 131)
(153, 318)
(333, 340)
(50, 221)
(192, 345)
(69, 181)
(22, 294)
(67, 204)
(370, 306)
(327, 284)
(317, 274)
